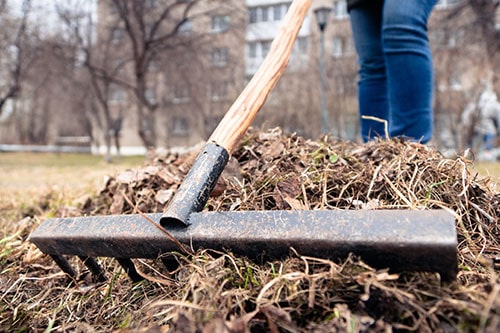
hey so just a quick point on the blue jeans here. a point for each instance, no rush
(396, 75)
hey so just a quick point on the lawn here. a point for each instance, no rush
(489, 169)
(23, 173)
(27, 178)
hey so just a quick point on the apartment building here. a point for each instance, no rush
(193, 84)
(459, 57)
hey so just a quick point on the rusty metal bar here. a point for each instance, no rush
(400, 240)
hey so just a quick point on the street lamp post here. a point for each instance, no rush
(322, 15)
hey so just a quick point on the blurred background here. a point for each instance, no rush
(117, 77)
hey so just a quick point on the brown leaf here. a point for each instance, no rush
(285, 194)
(117, 205)
(277, 317)
(295, 204)
(163, 196)
(167, 176)
(289, 187)
(219, 188)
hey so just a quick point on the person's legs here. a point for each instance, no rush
(409, 67)
(372, 86)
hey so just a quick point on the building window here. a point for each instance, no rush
(497, 18)
(349, 47)
(220, 56)
(265, 46)
(211, 122)
(220, 23)
(342, 46)
(300, 46)
(265, 11)
(113, 8)
(150, 4)
(339, 9)
(180, 126)
(436, 36)
(185, 27)
(252, 15)
(447, 38)
(117, 95)
(218, 90)
(181, 94)
(455, 38)
(148, 28)
(337, 47)
(454, 83)
(150, 95)
(117, 35)
(252, 50)
(153, 67)
(447, 3)
(277, 12)
(259, 49)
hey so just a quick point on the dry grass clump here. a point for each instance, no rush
(221, 292)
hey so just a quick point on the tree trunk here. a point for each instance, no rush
(146, 125)
(485, 11)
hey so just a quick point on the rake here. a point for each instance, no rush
(401, 240)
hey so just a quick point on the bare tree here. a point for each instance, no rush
(15, 40)
(155, 29)
(99, 74)
(460, 38)
(486, 22)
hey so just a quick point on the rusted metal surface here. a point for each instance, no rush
(129, 268)
(63, 264)
(400, 240)
(195, 189)
(94, 267)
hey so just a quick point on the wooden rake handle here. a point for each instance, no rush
(245, 108)
(193, 193)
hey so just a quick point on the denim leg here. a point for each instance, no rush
(409, 67)
(366, 22)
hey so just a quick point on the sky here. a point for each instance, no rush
(44, 11)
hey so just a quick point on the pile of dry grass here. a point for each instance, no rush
(217, 292)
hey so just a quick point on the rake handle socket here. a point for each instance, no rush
(193, 193)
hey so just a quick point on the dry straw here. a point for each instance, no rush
(220, 292)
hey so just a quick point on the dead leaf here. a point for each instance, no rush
(164, 196)
(117, 205)
(295, 204)
(127, 177)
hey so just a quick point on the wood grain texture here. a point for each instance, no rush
(243, 111)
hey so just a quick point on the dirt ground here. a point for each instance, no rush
(213, 291)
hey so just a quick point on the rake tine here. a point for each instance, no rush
(170, 263)
(129, 267)
(64, 265)
(94, 267)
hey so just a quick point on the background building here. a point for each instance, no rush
(164, 72)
